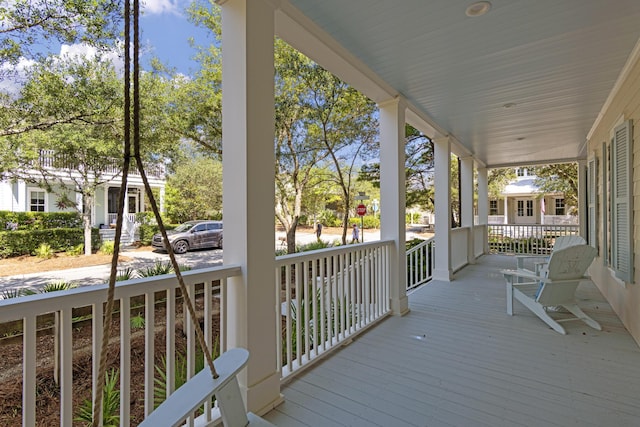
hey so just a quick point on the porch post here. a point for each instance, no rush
(466, 198)
(483, 205)
(248, 192)
(392, 197)
(582, 197)
(506, 210)
(442, 160)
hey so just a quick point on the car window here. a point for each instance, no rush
(200, 227)
(215, 226)
(184, 227)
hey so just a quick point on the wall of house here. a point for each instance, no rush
(625, 105)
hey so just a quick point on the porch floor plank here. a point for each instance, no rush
(457, 359)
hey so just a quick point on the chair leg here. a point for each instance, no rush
(510, 295)
(539, 311)
(577, 311)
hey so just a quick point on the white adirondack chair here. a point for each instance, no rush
(560, 242)
(555, 288)
(192, 395)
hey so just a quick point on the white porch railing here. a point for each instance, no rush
(420, 263)
(526, 239)
(58, 310)
(327, 297)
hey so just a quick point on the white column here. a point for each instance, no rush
(23, 203)
(162, 195)
(442, 160)
(506, 210)
(483, 204)
(466, 199)
(582, 197)
(248, 192)
(392, 197)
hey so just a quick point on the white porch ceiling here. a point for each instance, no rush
(556, 61)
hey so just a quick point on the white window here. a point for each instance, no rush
(493, 207)
(37, 200)
(525, 208)
(621, 203)
(560, 207)
(520, 207)
(529, 207)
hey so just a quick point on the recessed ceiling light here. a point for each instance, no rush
(509, 105)
(478, 8)
(521, 138)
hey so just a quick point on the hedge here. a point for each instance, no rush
(39, 220)
(21, 242)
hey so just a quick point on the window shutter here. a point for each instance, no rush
(622, 203)
(592, 197)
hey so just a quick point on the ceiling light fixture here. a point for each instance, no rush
(521, 138)
(509, 105)
(478, 8)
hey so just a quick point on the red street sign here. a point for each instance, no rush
(361, 210)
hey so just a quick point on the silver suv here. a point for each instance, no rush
(192, 235)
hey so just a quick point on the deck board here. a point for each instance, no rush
(457, 359)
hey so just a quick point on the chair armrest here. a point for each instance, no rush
(525, 274)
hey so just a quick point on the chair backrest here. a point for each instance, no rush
(571, 262)
(566, 241)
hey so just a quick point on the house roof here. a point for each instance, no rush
(522, 84)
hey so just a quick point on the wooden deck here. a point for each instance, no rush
(457, 359)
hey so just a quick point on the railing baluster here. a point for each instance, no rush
(125, 361)
(97, 325)
(29, 371)
(66, 367)
(149, 351)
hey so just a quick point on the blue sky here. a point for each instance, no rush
(165, 34)
(166, 30)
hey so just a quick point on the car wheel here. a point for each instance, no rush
(180, 247)
(220, 243)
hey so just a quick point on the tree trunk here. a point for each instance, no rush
(86, 221)
(291, 236)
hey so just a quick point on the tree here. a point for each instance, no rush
(64, 129)
(497, 180)
(296, 155)
(194, 191)
(26, 23)
(342, 120)
(418, 169)
(559, 178)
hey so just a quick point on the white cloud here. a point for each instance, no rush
(86, 51)
(162, 6)
(13, 75)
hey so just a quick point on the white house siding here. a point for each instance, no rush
(7, 198)
(624, 105)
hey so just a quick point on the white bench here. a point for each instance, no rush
(195, 392)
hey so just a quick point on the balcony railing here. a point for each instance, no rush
(420, 263)
(526, 239)
(49, 159)
(327, 297)
(156, 299)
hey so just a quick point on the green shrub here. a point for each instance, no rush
(76, 250)
(107, 248)
(369, 221)
(125, 274)
(110, 403)
(60, 285)
(44, 251)
(25, 242)
(39, 220)
(137, 322)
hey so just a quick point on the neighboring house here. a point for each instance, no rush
(520, 203)
(25, 196)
